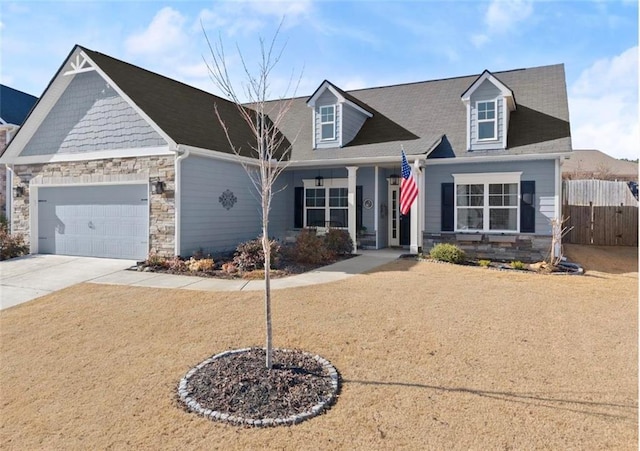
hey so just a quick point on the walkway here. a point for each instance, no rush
(365, 261)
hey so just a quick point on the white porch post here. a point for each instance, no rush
(416, 210)
(419, 171)
(352, 204)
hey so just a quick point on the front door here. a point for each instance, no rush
(399, 225)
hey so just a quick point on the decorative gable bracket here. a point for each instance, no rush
(79, 64)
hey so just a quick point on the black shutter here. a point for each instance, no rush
(447, 205)
(527, 206)
(358, 208)
(298, 213)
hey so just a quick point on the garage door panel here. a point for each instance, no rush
(99, 221)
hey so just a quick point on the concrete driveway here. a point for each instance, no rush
(26, 278)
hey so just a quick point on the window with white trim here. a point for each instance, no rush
(487, 202)
(487, 124)
(326, 206)
(327, 122)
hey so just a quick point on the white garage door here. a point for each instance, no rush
(94, 221)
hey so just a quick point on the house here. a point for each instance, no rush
(14, 107)
(117, 161)
(594, 164)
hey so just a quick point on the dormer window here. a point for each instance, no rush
(487, 129)
(337, 116)
(489, 104)
(327, 122)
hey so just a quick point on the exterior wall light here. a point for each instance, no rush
(394, 179)
(319, 180)
(18, 191)
(157, 186)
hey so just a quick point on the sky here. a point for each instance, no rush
(355, 44)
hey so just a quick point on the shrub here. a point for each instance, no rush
(250, 256)
(338, 241)
(11, 245)
(517, 264)
(310, 248)
(203, 264)
(446, 252)
(176, 264)
(229, 268)
(153, 259)
(484, 263)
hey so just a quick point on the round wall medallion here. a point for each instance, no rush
(368, 203)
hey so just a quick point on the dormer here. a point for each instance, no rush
(337, 116)
(489, 105)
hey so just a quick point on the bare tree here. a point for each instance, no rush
(269, 146)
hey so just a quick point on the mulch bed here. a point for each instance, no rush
(240, 389)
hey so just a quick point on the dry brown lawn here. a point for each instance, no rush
(432, 356)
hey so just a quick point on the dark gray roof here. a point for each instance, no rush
(15, 105)
(185, 113)
(417, 115)
(420, 117)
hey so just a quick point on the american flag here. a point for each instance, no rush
(408, 187)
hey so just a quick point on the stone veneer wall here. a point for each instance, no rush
(3, 175)
(525, 248)
(162, 206)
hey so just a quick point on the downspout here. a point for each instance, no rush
(177, 195)
(8, 201)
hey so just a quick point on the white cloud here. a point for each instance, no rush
(603, 104)
(502, 17)
(165, 32)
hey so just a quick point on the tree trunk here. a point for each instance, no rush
(266, 248)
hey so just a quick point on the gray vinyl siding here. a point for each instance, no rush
(91, 116)
(383, 200)
(487, 92)
(327, 98)
(542, 172)
(282, 206)
(352, 121)
(365, 177)
(205, 223)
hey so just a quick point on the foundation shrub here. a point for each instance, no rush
(203, 264)
(11, 245)
(338, 242)
(311, 248)
(446, 252)
(249, 255)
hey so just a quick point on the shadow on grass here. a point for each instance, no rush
(629, 410)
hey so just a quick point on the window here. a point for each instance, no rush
(489, 205)
(487, 120)
(327, 122)
(315, 206)
(338, 207)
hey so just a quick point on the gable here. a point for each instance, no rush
(91, 116)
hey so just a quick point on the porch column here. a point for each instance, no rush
(415, 246)
(352, 204)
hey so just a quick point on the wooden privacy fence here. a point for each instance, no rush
(600, 212)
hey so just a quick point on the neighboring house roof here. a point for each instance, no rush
(590, 162)
(14, 105)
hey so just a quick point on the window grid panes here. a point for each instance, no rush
(486, 120)
(489, 206)
(327, 122)
(320, 213)
(470, 202)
